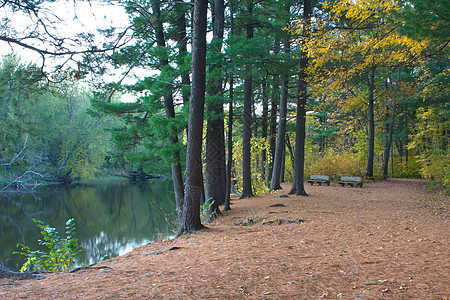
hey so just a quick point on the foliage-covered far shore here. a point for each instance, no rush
(49, 132)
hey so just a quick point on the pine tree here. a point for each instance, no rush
(190, 221)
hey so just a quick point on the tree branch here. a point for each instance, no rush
(18, 154)
(55, 53)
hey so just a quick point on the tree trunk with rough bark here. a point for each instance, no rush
(230, 126)
(273, 126)
(215, 170)
(298, 186)
(390, 127)
(190, 221)
(279, 149)
(371, 138)
(230, 147)
(265, 112)
(247, 122)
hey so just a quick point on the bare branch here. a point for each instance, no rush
(18, 154)
(18, 181)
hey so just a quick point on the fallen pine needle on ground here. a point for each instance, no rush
(385, 240)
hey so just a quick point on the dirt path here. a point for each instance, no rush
(386, 240)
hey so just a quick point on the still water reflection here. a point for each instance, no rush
(111, 219)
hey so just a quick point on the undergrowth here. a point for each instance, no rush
(61, 253)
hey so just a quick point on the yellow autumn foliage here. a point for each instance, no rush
(353, 39)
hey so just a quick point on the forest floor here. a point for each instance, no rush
(387, 240)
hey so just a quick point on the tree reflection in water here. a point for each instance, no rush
(111, 219)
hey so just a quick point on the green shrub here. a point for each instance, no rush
(335, 165)
(258, 181)
(205, 211)
(61, 254)
(410, 169)
(435, 167)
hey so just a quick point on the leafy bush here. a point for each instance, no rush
(61, 254)
(430, 140)
(205, 211)
(335, 165)
(410, 169)
(258, 180)
(435, 167)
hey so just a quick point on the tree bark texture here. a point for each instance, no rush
(247, 122)
(283, 163)
(191, 211)
(371, 137)
(230, 146)
(274, 100)
(273, 125)
(298, 185)
(280, 143)
(265, 112)
(246, 142)
(388, 142)
(215, 170)
(230, 125)
(390, 127)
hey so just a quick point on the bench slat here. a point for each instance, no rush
(319, 179)
(355, 179)
(351, 181)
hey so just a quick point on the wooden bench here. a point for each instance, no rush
(352, 181)
(319, 179)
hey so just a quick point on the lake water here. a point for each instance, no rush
(111, 219)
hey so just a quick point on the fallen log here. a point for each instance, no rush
(6, 272)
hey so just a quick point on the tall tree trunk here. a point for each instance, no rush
(298, 186)
(290, 149)
(230, 146)
(390, 125)
(230, 125)
(273, 125)
(191, 211)
(215, 170)
(175, 166)
(388, 144)
(279, 149)
(256, 157)
(371, 150)
(265, 111)
(392, 161)
(283, 163)
(406, 141)
(247, 122)
(177, 173)
(273, 117)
